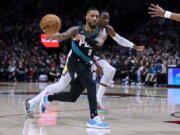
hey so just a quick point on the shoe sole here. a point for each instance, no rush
(102, 111)
(97, 127)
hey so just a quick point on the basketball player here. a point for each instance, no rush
(79, 62)
(108, 70)
(157, 11)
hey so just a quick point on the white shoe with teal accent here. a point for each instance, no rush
(28, 108)
(44, 100)
(97, 123)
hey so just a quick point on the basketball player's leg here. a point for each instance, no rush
(108, 74)
(71, 96)
(90, 85)
(53, 88)
(64, 81)
(87, 81)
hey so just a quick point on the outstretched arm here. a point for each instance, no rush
(65, 35)
(157, 11)
(122, 41)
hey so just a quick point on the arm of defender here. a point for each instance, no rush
(65, 35)
(99, 69)
(175, 16)
(101, 39)
(157, 11)
(122, 41)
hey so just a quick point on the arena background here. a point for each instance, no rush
(138, 100)
(23, 54)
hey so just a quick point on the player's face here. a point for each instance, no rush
(104, 19)
(92, 18)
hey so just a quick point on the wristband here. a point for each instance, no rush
(167, 14)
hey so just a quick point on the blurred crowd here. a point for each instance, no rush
(161, 39)
(23, 58)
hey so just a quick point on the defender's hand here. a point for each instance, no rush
(156, 11)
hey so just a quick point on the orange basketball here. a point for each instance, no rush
(50, 24)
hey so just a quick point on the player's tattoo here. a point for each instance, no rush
(69, 33)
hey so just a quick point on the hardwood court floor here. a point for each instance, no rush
(133, 110)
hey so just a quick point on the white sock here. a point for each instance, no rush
(36, 99)
(100, 93)
(109, 72)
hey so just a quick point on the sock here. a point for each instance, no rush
(100, 94)
(36, 99)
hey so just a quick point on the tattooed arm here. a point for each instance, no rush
(71, 32)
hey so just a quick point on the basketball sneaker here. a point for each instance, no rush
(44, 100)
(97, 123)
(28, 108)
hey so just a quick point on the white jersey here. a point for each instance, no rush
(103, 34)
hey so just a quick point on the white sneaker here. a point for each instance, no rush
(28, 108)
(97, 123)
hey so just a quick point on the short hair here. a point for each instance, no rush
(90, 9)
(103, 11)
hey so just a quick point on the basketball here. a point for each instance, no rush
(50, 24)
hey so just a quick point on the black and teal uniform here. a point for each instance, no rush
(79, 68)
(82, 52)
